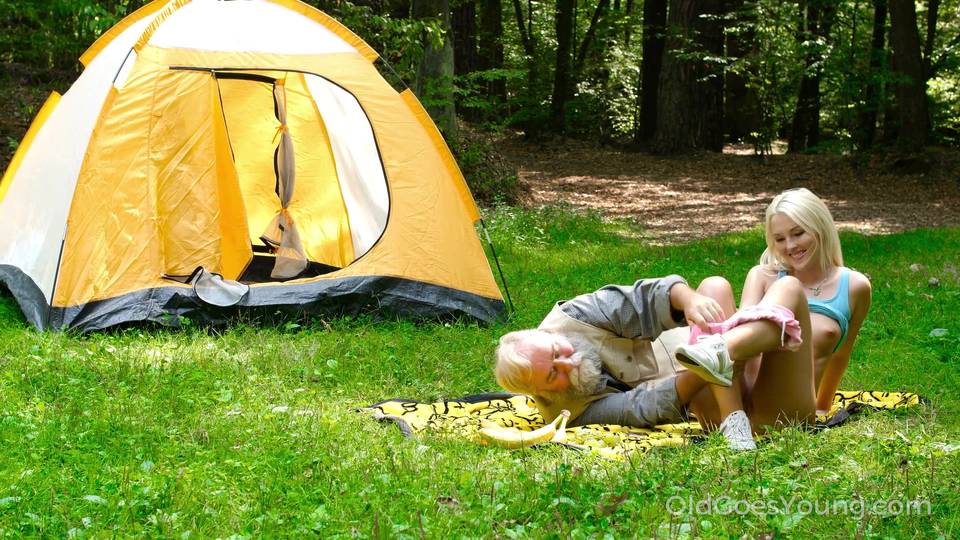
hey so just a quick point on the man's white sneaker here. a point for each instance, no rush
(708, 358)
(736, 428)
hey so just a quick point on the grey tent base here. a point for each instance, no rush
(32, 302)
(378, 296)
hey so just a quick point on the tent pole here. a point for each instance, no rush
(497, 261)
(56, 277)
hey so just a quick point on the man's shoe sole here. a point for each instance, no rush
(703, 372)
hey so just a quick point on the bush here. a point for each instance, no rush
(490, 177)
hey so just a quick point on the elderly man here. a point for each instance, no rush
(608, 357)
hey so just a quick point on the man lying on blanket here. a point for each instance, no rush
(608, 358)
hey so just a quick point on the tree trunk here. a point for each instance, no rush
(627, 12)
(690, 108)
(538, 78)
(805, 131)
(491, 46)
(434, 83)
(911, 90)
(561, 80)
(742, 115)
(525, 38)
(890, 124)
(465, 60)
(397, 9)
(710, 30)
(654, 40)
(867, 131)
(602, 6)
(464, 22)
(933, 10)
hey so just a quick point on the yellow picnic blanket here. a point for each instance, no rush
(462, 417)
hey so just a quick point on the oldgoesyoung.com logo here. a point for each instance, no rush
(724, 505)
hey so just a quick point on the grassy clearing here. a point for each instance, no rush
(251, 432)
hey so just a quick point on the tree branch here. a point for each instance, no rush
(602, 6)
(524, 37)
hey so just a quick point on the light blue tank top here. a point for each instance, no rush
(837, 308)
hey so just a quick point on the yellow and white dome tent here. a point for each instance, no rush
(249, 139)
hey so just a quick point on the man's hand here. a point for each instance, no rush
(701, 310)
(697, 308)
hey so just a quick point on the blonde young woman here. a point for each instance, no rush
(802, 242)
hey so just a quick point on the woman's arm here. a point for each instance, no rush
(860, 297)
(755, 286)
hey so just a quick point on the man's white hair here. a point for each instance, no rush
(511, 368)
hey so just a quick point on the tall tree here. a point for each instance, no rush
(654, 40)
(598, 13)
(464, 27)
(526, 37)
(867, 131)
(690, 107)
(562, 73)
(491, 46)
(911, 88)
(531, 114)
(933, 11)
(466, 59)
(434, 83)
(742, 114)
(627, 31)
(817, 18)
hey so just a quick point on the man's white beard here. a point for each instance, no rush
(586, 379)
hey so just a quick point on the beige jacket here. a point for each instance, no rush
(632, 361)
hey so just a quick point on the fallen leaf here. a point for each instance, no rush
(610, 503)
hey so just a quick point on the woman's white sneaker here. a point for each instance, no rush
(736, 428)
(708, 358)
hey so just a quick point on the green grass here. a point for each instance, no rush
(251, 432)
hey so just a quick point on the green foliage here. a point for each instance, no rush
(606, 102)
(945, 108)
(474, 98)
(773, 68)
(490, 177)
(252, 431)
(528, 105)
(400, 41)
(54, 33)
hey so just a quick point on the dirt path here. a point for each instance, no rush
(678, 199)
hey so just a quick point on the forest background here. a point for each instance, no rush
(852, 77)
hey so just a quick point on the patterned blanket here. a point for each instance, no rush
(462, 418)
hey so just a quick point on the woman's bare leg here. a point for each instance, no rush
(784, 391)
(715, 402)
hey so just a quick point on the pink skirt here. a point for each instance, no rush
(790, 338)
